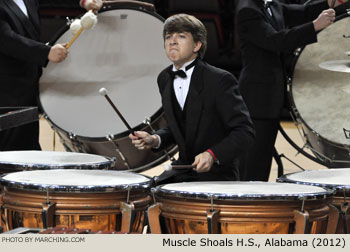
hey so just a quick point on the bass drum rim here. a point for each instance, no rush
(324, 149)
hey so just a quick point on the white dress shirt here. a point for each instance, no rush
(22, 6)
(268, 9)
(182, 85)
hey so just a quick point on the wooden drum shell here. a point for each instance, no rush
(94, 211)
(241, 216)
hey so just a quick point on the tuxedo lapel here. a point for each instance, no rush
(169, 112)
(278, 19)
(268, 17)
(194, 104)
(23, 19)
(33, 13)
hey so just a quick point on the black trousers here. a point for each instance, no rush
(256, 165)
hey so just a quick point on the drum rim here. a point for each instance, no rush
(25, 186)
(297, 115)
(107, 7)
(334, 187)
(17, 166)
(239, 197)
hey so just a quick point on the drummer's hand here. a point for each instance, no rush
(337, 2)
(93, 4)
(203, 162)
(143, 140)
(324, 19)
(58, 53)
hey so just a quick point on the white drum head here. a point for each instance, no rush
(52, 160)
(75, 180)
(123, 53)
(241, 190)
(331, 178)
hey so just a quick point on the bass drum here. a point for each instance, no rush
(320, 94)
(123, 53)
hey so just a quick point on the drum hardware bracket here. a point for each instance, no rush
(153, 191)
(128, 196)
(48, 214)
(345, 212)
(76, 144)
(2, 211)
(213, 221)
(110, 138)
(301, 219)
(128, 216)
(6, 219)
(333, 218)
(148, 122)
(153, 213)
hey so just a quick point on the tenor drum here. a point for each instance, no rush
(98, 200)
(320, 93)
(335, 179)
(239, 208)
(123, 53)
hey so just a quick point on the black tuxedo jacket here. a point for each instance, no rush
(263, 40)
(21, 55)
(216, 118)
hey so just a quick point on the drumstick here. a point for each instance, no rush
(88, 21)
(103, 92)
(332, 4)
(169, 167)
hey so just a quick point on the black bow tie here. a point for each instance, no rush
(181, 73)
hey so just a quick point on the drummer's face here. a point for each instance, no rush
(181, 48)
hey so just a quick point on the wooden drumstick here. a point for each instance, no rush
(169, 167)
(88, 21)
(332, 4)
(103, 92)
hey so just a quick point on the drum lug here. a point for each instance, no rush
(333, 218)
(345, 212)
(110, 138)
(301, 219)
(76, 144)
(297, 51)
(213, 221)
(48, 213)
(2, 212)
(153, 213)
(128, 216)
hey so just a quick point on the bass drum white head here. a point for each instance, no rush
(123, 53)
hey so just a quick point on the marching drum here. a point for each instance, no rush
(336, 179)
(239, 208)
(320, 92)
(123, 53)
(98, 200)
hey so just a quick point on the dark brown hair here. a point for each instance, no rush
(187, 23)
